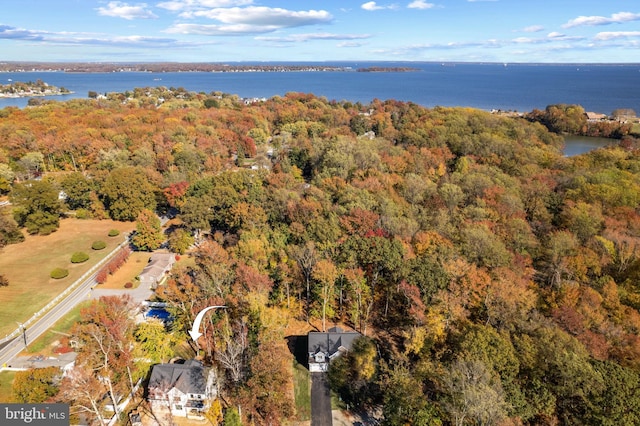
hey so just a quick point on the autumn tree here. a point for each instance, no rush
(404, 400)
(562, 118)
(36, 385)
(9, 231)
(78, 190)
(269, 387)
(148, 236)
(180, 240)
(31, 164)
(105, 335)
(325, 273)
(37, 206)
(126, 192)
(175, 193)
(354, 374)
(154, 342)
(360, 298)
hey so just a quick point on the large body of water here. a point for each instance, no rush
(516, 87)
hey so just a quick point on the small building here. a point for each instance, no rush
(323, 347)
(159, 265)
(595, 116)
(184, 390)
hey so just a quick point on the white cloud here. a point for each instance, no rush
(533, 29)
(75, 39)
(266, 16)
(611, 35)
(522, 40)
(616, 18)
(182, 5)
(8, 32)
(313, 36)
(118, 9)
(372, 5)
(345, 44)
(420, 4)
(220, 30)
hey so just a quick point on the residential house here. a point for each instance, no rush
(159, 265)
(184, 390)
(594, 116)
(323, 347)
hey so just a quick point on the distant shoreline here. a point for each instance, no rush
(248, 66)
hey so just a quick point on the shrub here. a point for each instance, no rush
(59, 273)
(98, 245)
(79, 257)
(83, 214)
(114, 233)
(128, 285)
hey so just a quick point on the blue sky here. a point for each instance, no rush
(321, 30)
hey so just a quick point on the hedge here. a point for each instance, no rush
(79, 257)
(58, 273)
(98, 245)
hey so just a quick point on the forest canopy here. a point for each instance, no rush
(494, 279)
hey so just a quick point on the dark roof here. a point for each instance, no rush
(189, 377)
(330, 341)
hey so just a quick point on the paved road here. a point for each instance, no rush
(83, 292)
(320, 400)
(14, 347)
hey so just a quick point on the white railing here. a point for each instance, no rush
(66, 292)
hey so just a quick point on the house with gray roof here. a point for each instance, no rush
(325, 346)
(159, 265)
(184, 390)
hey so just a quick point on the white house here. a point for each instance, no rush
(186, 390)
(159, 265)
(323, 347)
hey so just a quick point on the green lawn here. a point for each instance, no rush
(59, 330)
(27, 266)
(302, 391)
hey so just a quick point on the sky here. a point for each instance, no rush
(530, 31)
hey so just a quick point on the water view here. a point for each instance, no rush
(576, 145)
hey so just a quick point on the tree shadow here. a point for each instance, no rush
(298, 346)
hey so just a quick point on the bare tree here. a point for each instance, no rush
(306, 257)
(83, 391)
(475, 394)
(233, 356)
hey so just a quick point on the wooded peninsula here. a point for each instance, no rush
(494, 280)
(30, 89)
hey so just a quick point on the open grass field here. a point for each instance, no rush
(27, 265)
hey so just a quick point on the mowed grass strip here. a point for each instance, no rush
(43, 344)
(27, 265)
